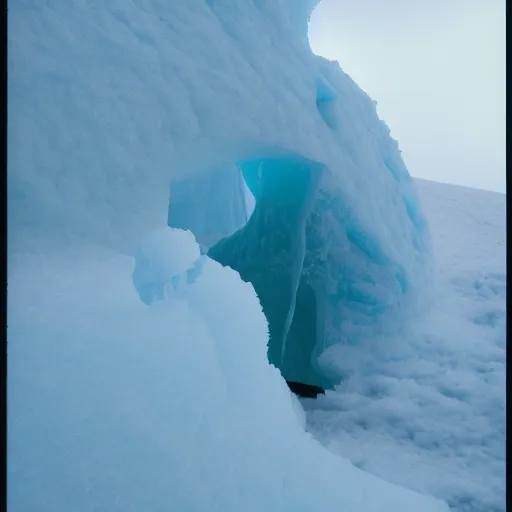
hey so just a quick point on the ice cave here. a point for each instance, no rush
(314, 268)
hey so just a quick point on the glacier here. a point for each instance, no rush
(125, 118)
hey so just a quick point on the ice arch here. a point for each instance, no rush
(270, 250)
(267, 249)
(321, 276)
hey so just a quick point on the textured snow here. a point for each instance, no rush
(427, 410)
(116, 406)
(140, 101)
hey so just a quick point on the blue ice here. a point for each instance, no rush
(325, 98)
(282, 251)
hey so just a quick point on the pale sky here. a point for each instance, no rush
(437, 71)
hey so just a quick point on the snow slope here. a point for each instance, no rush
(115, 406)
(427, 410)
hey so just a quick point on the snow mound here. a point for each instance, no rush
(116, 406)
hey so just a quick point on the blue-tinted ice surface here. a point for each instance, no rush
(269, 252)
(210, 204)
(325, 97)
(251, 171)
(355, 289)
(302, 241)
(302, 244)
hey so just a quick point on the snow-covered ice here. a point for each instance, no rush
(427, 410)
(117, 102)
(118, 401)
(116, 406)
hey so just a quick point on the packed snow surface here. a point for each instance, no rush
(427, 410)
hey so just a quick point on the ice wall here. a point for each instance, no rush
(154, 93)
(122, 97)
(123, 100)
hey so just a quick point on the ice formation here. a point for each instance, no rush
(212, 204)
(118, 406)
(162, 261)
(144, 107)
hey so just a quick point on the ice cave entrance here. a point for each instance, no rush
(251, 216)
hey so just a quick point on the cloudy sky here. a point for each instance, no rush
(437, 71)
